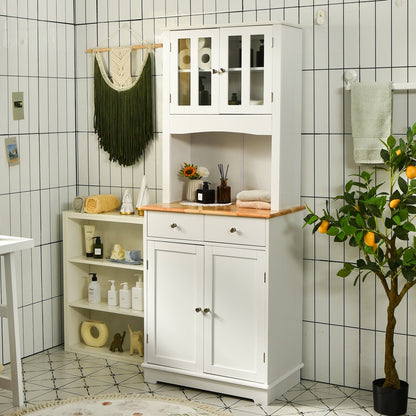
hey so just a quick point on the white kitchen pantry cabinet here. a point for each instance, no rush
(223, 315)
(224, 284)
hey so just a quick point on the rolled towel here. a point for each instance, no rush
(254, 195)
(253, 204)
(101, 203)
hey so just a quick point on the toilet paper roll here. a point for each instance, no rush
(205, 58)
(184, 59)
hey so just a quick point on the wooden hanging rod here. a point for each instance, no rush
(152, 45)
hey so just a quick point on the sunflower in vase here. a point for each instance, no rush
(195, 175)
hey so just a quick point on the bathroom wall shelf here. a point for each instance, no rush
(104, 352)
(105, 263)
(113, 228)
(103, 307)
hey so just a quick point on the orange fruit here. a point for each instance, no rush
(375, 246)
(323, 228)
(369, 239)
(398, 152)
(394, 203)
(357, 208)
(411, 172)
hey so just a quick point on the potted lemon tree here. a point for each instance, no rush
(378, 220)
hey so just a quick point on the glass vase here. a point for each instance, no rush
(223, 192)
(193, 185)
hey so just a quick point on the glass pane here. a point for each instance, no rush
(184, 76)
(204, 69)
(256, 87)
(234, 87)
(234, 52)
(257, 70)
(257, 51)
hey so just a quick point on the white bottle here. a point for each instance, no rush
(137, 295)
(125, 296)
(94, 290)
(112, 295)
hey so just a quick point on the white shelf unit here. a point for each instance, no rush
(113, 228)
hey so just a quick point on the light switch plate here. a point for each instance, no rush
(17, 105)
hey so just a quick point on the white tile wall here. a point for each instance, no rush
(42, 53)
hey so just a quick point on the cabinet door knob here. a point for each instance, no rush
(198, 309)
(214, 71)
(233, 230)
(222, 70)
(206, 310)
(173, 225)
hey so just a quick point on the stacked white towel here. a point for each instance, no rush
(256, 199)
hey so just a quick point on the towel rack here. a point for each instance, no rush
(152, 45)
(350, 76)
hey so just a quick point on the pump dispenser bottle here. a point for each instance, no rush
(94, 290)
(137, 294)
(112, 295)
(125, 296)
(98, 248)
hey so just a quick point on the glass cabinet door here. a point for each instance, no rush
(194, 87)
(245, 81)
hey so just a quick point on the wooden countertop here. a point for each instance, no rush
(230, 210)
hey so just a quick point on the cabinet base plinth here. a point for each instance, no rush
(258, 392)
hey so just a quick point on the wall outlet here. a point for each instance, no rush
(17, 105)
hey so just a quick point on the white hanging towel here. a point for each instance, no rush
(371, 110)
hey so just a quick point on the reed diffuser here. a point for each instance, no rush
(223, 191)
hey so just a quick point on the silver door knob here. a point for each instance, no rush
(233, 230)
(206, 310)
(173, 225)
(198, 309)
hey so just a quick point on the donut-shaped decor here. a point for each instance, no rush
(184, 59)
(205, 58)
(87, 335)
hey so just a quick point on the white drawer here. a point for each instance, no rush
(175, 225)
(235, 230)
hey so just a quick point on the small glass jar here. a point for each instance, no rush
(223, 192)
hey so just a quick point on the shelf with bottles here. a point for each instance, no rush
(104, 307)
(105, 263)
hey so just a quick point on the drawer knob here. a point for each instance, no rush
(206, 310)
(198, 309)
(233, 230)
(173, 225)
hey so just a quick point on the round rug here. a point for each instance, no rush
(120, 405)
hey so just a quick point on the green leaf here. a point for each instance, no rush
(365, 175)
(409, 134)
(391, 142)
(385, 155)
(403, 213)
(371, 223)
(408, 226)
(310, 219)
(360, 220)
(397, 219)
(359, 236)
(348, 267)
(403, 185)
(333, 231)
(389, 223)
(340, 237)
(409, 273)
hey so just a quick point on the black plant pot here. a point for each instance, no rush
(388, 401)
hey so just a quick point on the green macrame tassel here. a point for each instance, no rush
(123, 120)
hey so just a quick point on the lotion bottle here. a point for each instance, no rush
(94, 290)
(112, 295)
(137, 294)
(125, 296)
(98, 248)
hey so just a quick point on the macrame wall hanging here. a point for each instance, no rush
(123, 118)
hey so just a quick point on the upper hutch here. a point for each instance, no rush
(233, 95)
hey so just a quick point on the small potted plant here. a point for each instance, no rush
(378, 220)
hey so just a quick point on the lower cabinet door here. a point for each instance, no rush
(235, 313)
(175, 301)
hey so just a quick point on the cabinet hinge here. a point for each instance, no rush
(264, 357)
(170, 47)
(147, 264)
(264, 277)
(271, 97)
(147, 338)
(272, 42)
(170, 98)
